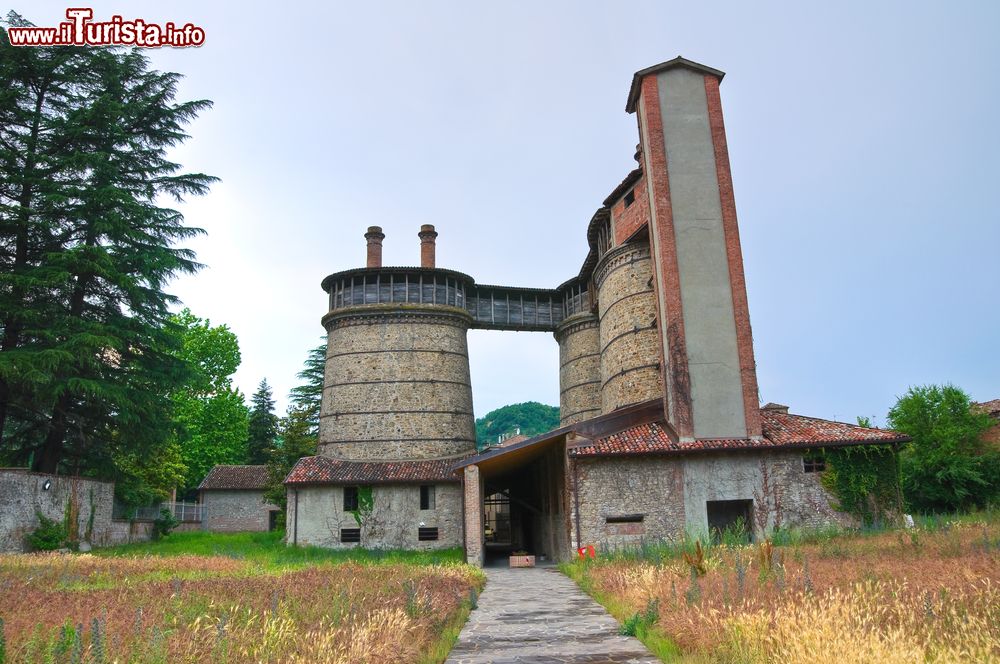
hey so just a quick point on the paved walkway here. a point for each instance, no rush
(541, 616)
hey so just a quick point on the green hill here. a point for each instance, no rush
(531, 417)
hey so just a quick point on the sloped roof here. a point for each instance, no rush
(327, 470)
(235, 477)
(633, 93)
(781, 430)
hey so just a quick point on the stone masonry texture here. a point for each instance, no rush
(630, 355)
(579, 368)
(236, 511)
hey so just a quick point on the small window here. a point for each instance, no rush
(427, 534)
(813, 463)
(350, 498)
(350, 535)
(630, 198)
(624, 518)
(427, 497)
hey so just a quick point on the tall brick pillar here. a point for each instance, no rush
(374, 236)
(709, 374)
(427, 237)
(474, 534)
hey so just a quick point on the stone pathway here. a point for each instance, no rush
(541, 616)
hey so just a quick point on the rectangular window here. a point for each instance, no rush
(350, 535)
(630, 198)
(813, 463)
(427, 534)
(624, 518)
(427, 497)
(350, 498)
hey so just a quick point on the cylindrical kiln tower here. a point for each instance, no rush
(629, 341)
(397, 383)
(579, 357)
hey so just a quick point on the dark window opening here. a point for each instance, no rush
(624, 518)
(272, 520)
(427, 497)
(630, 198)
(350, 535)
(813, 463)
(427, 534)
(350, 498)
(730, 520)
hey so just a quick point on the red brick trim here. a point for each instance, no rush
(663, 243)
(737, 280)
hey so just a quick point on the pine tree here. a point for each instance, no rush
(88, 352)
(263, 425)
(308, 396)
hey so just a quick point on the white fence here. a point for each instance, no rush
(183, 512)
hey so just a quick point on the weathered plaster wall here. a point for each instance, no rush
(671, 492)
(392, 524)
(22, 498)
(236, 511)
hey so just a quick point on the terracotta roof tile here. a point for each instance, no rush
(327, 470)
(781, 430)
(235, 477)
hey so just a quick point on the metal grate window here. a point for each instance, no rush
(427, 534)
(813, 463)
(350, 535)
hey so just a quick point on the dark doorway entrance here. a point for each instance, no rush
(730, 519)
(272, 520)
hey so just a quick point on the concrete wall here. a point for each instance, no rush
(236, 511)
(22, 497)
(630, 345)
(392, 524)
(397, 384)
(671, 492)
(579, 368)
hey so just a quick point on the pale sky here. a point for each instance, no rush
(863, 138)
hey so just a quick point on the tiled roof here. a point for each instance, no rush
(780, 430)
(327, 470)
(235, 477)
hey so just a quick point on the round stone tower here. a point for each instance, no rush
(397, 381)
(579, 357)
(629, 341)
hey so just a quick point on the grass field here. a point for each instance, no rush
(205, 597)
(929, 594)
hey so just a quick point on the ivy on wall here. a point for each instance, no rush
(366, 503)
(865, 481)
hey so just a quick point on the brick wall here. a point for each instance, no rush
(626, 221)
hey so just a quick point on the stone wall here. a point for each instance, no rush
(392, 523)
(579, 368)
(236, 511)
(23, 496)
(629, 341)
(671, 494)
(397, 384)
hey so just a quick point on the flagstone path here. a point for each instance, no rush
(540, 616)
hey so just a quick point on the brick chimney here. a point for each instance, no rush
(776, 408)
(374, 237)
(427, 246)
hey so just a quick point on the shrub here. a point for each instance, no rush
(163, 524)
(48, 536)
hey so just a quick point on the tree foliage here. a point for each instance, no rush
(211, 417)
(297, 441)
(947, 467)
(308, 395)
(87, 351)
(263, 431)
(531, 417)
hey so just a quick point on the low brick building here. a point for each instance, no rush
(233, 497)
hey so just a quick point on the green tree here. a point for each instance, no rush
(87, 357)
(947, 467)
(263, 425)
(297, 440)
(309, 395)
(211, 416)
(531, 417)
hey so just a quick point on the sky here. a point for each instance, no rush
(863, 138)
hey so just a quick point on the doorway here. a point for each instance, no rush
(730, 520)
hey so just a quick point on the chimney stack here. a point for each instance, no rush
(374, 237)
(427, 246)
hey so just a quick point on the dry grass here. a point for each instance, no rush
(82, 608)
(909, 596)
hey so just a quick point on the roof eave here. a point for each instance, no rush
(633, 93)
